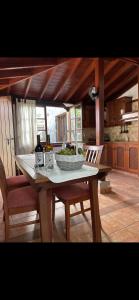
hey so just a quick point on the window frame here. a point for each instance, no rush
(75, 119)
(45, 119)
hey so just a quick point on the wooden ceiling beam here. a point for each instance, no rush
(41, 103)
(110, 66)
(123, 90)
(133, 60)
(50, 74)
(36, 71)
(20, 72)
(27, 87)
(87, 72)
(117, 86)
(19, 79)
(8, 63)
(7, 81)
(118, 73)
(69, 75)
(2, 86)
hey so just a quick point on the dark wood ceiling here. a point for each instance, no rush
(64, 79)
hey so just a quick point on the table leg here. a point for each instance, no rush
(95, 215)
(45, 203)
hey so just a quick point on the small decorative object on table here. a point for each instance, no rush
(68, 160)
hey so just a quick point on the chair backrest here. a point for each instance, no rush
(3, 182)
(93, 153)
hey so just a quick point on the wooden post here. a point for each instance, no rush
(138, 116)
(99, 83)
(138, 105)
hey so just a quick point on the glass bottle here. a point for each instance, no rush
(49, 154)
(39, 155)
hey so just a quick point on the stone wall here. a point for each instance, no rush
(89, 134)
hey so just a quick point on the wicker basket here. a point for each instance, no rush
(69, 162)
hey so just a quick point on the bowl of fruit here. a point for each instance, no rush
(68, 160)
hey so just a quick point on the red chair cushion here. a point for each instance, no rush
(73, 192)
(22, 197)
(16, 181)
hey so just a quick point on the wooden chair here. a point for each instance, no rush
(14, 182)
(16, 201)
(76, 193)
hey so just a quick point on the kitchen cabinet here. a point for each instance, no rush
(110, 155)
(113, 110)
(107, 155)
(88, 115)
(122, 156)
(132, 157)
(119, 156)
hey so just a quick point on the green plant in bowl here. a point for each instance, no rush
(68, 151)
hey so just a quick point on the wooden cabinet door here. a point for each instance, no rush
(122, 156)
(114, 110)
(119, 156)
(104, 155)
(7, 150)
(132, 158)
(110, 155)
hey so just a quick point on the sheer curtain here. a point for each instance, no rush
(25, 113)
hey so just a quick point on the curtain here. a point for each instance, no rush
(25, 127)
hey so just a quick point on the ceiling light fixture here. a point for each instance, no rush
(93, 93)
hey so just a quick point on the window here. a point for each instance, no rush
(59, 124)
(41, 123)
(76, 122)
(56, 124)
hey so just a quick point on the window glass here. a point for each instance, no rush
(40, 112)
(57, 124)
(40, 123)
(76, 120)
(42, 135)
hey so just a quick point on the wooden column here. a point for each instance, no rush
(138, 105)
(138, 116)
(99, 83)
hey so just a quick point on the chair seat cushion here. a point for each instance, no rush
(16, 181)
(22, 197)
(73, 192)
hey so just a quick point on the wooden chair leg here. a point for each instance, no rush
(82, 207)
(53, 209)
(67, 220)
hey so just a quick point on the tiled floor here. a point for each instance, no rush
(119, 215)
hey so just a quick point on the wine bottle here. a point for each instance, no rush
(49, 147)
(49, 153)
(39, 155)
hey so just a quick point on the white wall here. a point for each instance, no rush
(133, 92)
